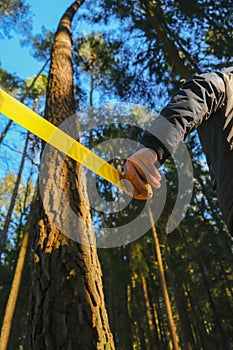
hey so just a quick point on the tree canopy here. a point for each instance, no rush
(14, 16)
(132, 53)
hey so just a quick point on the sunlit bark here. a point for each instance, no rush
(67, 301)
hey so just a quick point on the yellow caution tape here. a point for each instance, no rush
(48, 132)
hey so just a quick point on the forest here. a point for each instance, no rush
(82, 266)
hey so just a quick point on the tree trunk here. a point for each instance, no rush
(116, 286)
(164, 285)
(155, 17)
(216, 319)
(28, 89)
(67, 301)
(5, 131)
(151, 326)
(11, 303)
(3, 236)
(186, 330)
(9, 316)
(19, 322)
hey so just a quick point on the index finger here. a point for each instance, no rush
(141, 189)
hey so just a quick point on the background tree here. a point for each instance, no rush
(14, 241)
(14, 15)
(163, 43)
(154, 46)
(98, 59)
(38, 89)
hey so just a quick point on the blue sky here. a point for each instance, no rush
(16, 59)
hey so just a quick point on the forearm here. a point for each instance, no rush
(196, 100)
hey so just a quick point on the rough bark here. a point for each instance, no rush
(67, 301)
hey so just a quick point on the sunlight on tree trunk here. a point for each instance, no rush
(67, 301)
(11, 303)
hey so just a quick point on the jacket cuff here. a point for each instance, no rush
(150, 141)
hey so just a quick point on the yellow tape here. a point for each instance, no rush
(48, 132)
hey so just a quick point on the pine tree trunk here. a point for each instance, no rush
(5, 131)
(151, 326)
(186, 330)
(171, 322)
(116, 279)
(3, 236)
(19, 324)
(28, 89)
(10, 332)
(156, 17)
(67, 301)
(11, 303)
(216, 318)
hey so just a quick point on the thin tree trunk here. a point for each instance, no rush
(186, 331)
(67, 301)
(155, 16)
(3, 236)
(160, 332)
(5, 131)
(19, 325)
(198, 323)
(227, 284)
(11, 303)
(172, 326)
(28, 89)
(217, 321)
(151, 326)
(116, 284)
(163, 334)
(152, 294)
(139, 327)
(17, 280)
(91, 85)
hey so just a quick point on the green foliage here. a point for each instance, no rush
(9, 82)
(200, 248)
(14, 16)
(136, 59)
(38, 88)
(7, 184)
(164, 41)
(41, 44)
(95, 54)
(138, 264)
(97, 60)
(14, 239)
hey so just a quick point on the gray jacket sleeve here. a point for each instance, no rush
(196, 100)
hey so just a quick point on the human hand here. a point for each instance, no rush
(140, 169)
